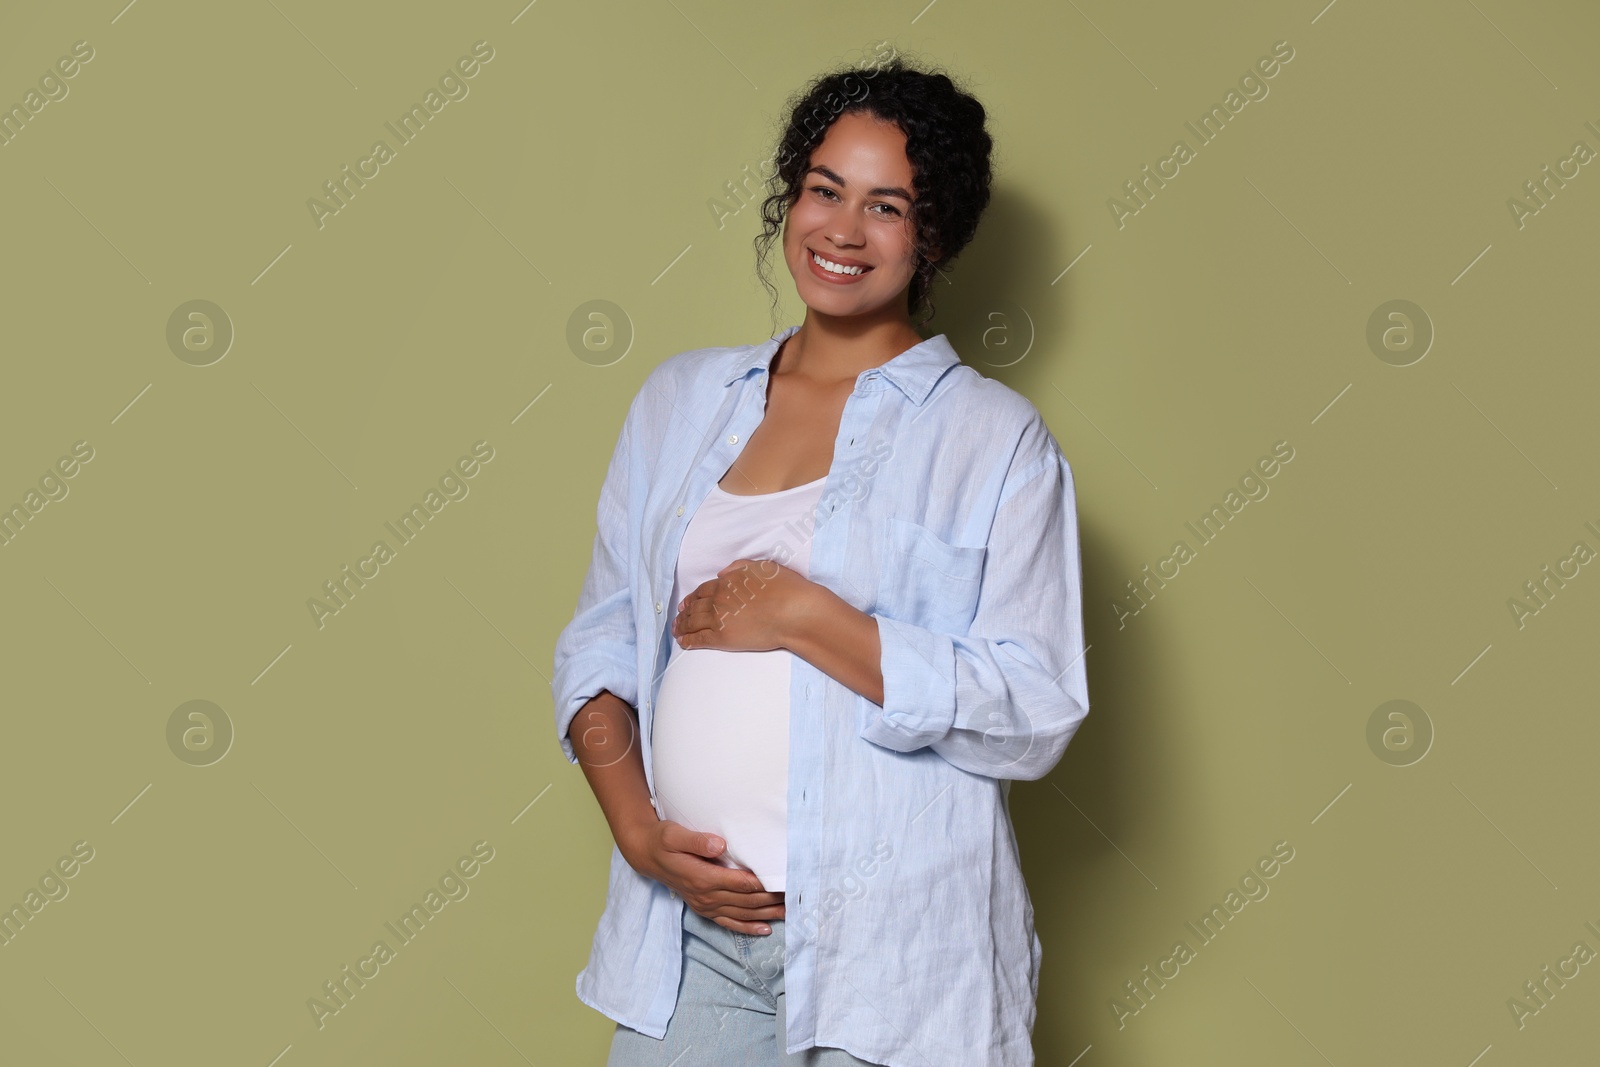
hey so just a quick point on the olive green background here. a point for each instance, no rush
(434, 311)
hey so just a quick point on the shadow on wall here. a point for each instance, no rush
(1081, 884)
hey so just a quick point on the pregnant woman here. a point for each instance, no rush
(833, 610)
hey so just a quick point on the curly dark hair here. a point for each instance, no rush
(946, 143)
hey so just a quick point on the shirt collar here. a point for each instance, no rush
(913, 371)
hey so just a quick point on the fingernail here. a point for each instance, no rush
(764, 928)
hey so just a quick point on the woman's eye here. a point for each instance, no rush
(824, 190)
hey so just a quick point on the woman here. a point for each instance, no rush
(833, 609)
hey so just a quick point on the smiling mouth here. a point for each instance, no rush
(840, 269)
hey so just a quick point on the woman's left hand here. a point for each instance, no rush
(752, 605)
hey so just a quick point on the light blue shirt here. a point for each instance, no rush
(949, 516)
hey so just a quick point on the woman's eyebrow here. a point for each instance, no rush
(841, 183)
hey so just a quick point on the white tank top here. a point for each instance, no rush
(720, 732)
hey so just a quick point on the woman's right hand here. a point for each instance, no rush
(684, 860)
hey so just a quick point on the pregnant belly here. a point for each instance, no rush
(720, 751)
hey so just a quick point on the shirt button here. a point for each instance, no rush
(733, 438)
(658, 607)
(680, 509)
(673, 893)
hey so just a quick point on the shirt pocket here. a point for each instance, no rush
(927, 581)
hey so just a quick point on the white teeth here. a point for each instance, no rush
(835, 268)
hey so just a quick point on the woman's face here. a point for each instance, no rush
(853, 211)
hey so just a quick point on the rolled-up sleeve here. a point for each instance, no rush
(598, 648)
(1004, 698)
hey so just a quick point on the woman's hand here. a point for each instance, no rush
(752, 605)
(678, 858)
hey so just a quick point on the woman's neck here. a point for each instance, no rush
(835, 351)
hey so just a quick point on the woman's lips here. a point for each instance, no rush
(827, 275)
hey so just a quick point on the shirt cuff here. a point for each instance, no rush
(919, 687)
(607, 674)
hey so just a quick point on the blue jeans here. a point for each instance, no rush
(730, 1010)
